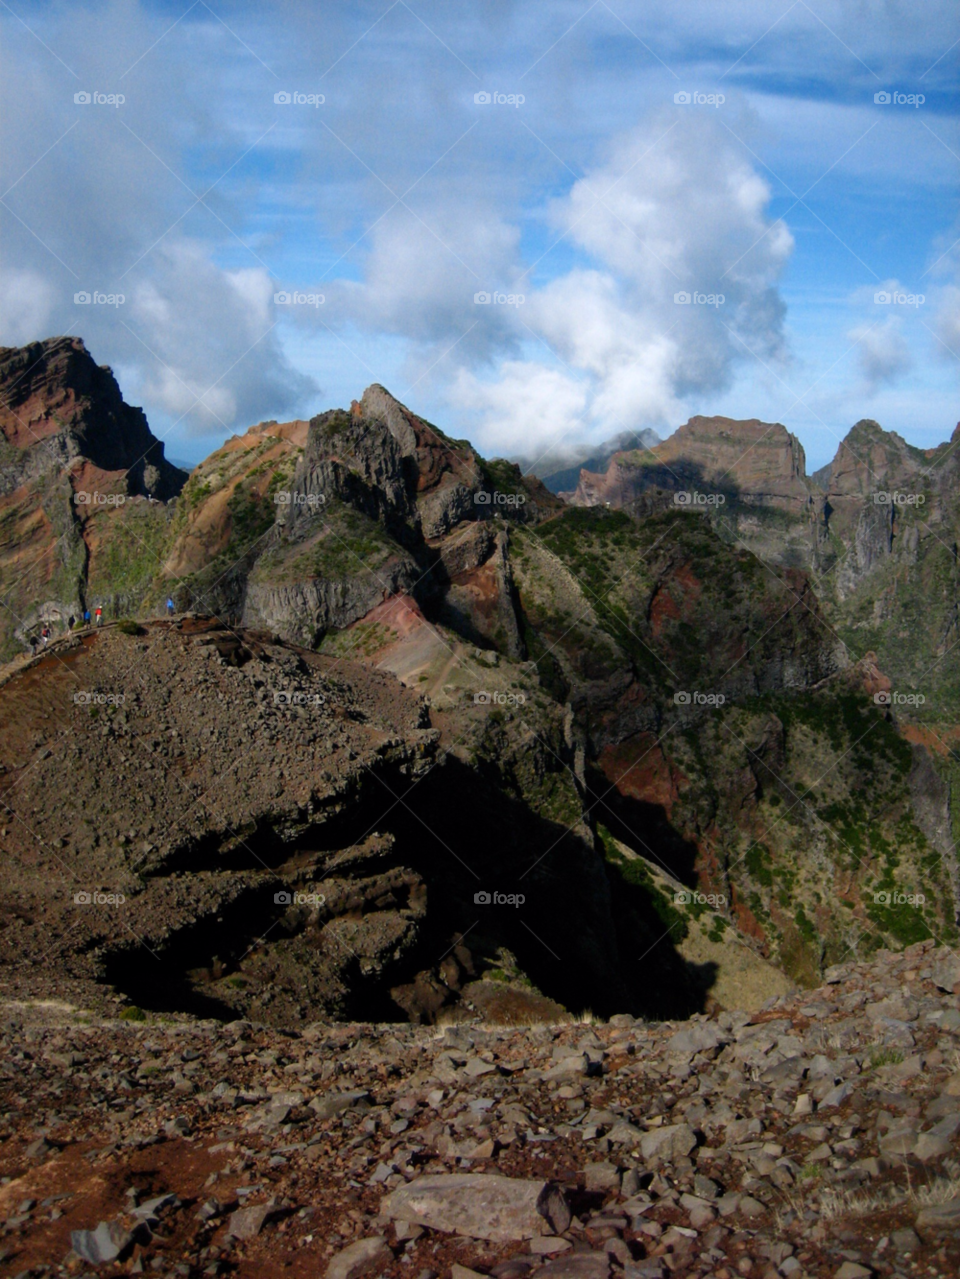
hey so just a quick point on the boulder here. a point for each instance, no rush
(481, 1206)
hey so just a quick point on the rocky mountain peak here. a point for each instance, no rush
(58, 405)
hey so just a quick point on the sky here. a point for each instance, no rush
(496, 209)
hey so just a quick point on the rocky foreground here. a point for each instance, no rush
(820, 1136)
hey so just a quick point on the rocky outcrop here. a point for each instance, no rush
(83, 488)
(61, 410)
(816, 1136)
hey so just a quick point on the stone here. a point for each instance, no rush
(836, 1096)
(601, 1177)
(698, 1037)
(246, 1223)
(481, 1206)
(905, 1241)
(105, 1244)
(946, 971)
(930, 1145)
(364, 1257)
(671, 1142)
(944, 1216)
(334, 1103)
(549, 1245)
(853, 1270)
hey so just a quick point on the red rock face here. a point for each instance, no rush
(759, 463)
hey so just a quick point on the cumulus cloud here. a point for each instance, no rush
(683, 285)
(528, 407)
(883, 355)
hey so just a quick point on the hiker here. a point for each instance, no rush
(99, 612)
(169, 608)
(86, 617)
(45, 635)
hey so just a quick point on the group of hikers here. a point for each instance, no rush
(45, 632)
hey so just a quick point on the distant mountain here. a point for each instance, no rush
(561, 471)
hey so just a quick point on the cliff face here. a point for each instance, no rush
(83, 489)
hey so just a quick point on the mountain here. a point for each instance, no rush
(876, 529)
(655, 736)
(560, 470)
(83, 482)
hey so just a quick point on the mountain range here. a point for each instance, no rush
(424, 739)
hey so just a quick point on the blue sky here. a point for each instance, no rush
(783, 188)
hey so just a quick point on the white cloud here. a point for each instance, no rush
(883, 355)
(528, 408)
(27, 300)
(675, 210)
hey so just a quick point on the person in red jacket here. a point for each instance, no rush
(98, 613)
